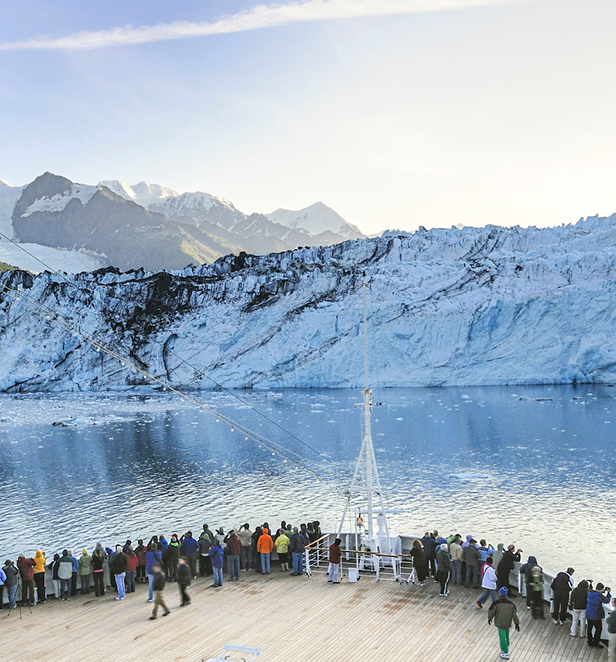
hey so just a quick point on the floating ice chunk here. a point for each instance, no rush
(464, 476)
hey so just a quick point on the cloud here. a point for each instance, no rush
(257, 18)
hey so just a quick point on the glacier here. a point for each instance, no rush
(446, 307)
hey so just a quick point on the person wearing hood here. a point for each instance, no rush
(282, 549)
(443, 569)
(468, 542)
(205, 563)
(119, 571)
(75, 573)
(265, 545)
(503, 613)
(171, 557)
(39, 576)
(98, 571)
(578, 601)
(65, 573)
(594, 613)
(526, 571)
(535, 586)
(26, 570)
(429, 547)
(85, 569)
(217, 556)
(54, 566)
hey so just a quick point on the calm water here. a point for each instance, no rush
(138, 465)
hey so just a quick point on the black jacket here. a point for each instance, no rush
(159, 580)
(183, 575)
(579, 596)
(119, 564)
(507, 564)
(562, 583)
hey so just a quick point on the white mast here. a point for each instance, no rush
(366, 476)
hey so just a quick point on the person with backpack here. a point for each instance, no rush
(503, 612)
(65, 573)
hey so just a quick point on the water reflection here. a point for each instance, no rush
(137, 465)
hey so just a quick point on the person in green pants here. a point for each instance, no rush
(503, 613)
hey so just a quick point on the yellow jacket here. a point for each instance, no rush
(39, 561)
(282, 544)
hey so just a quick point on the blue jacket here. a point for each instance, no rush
(152, 558)
(189, 546)
(217, 556)
(75, 564)
(594, 609)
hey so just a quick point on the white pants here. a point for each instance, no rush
(578, 616)
(333, 572)
(56, 588)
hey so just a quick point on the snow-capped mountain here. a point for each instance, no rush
(445, 307)
(142, 225)
(315, 219)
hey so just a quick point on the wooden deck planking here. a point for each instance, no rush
(290, 618)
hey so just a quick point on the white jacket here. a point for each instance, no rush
(489, 578)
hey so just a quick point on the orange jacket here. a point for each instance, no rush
(265, 543)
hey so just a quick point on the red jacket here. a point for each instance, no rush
(334, 553)
(234, 546)
(131, 562)
(26, 567)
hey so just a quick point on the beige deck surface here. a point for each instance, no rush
(289, 618)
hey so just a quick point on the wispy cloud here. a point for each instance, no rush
(257, 18)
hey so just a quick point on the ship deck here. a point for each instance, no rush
(289, 618)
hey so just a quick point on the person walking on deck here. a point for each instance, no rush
(578, 601)
(189, 549)
(503, 612)
(594, 613)
(443, 569)
(119, 572)
(217, 556)
(158, 583)
(85, 568)
(39, 576)
(561, 587)
(488, 583)
(183, 579)
(11, 573)
(26, 570)
(265, 545)
(611, 633)
(152, 557)
(335, 554)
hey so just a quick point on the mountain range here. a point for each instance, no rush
(84, 227)
(449, 307)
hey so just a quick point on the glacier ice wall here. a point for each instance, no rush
(445, 307)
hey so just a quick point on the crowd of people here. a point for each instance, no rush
(472, 564)
(180, 559)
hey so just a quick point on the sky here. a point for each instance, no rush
(395, 113)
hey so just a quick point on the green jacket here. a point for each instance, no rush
(85, 564)
(502, 612)
(443, 561)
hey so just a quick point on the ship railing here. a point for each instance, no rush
(357, 563)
